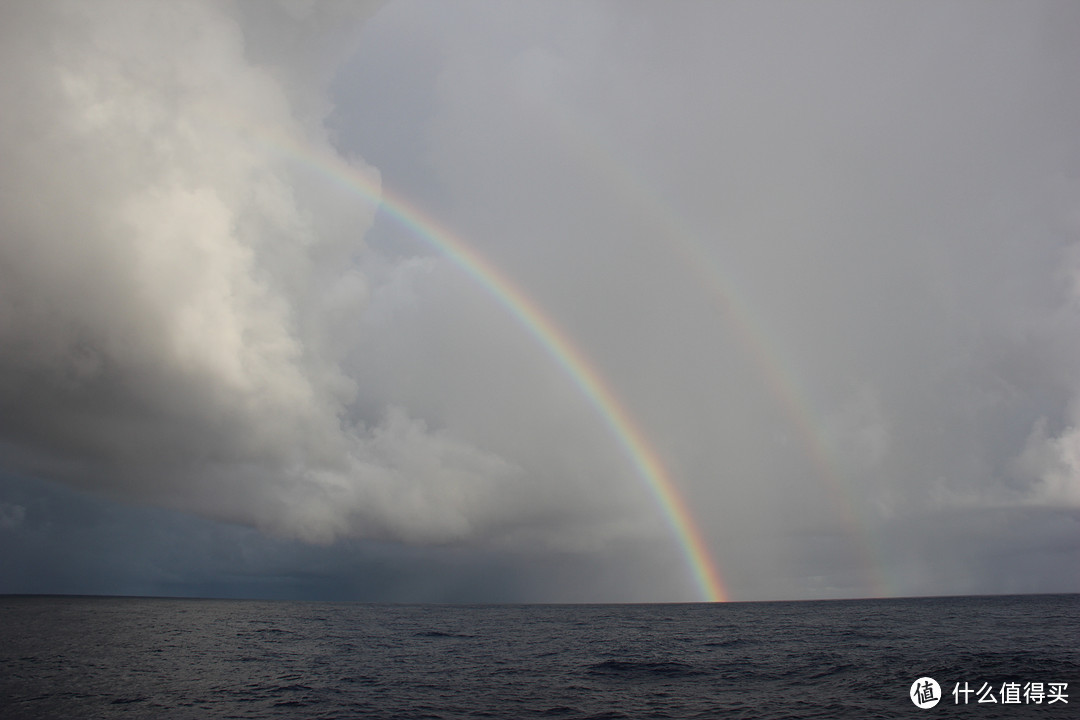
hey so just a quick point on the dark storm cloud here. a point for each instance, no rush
(827, 256)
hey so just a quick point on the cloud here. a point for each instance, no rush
(825, 257)
(176, 294)
(1052, 465)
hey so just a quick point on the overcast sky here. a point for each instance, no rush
(827, 255)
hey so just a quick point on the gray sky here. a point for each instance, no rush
(826, 254)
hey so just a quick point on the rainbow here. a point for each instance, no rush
(555, 342)
(781, 381)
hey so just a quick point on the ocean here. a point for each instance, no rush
(81, 657)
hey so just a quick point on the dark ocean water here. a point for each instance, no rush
(161, 658)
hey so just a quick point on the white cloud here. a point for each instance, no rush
(177, 293)
(1052, 465)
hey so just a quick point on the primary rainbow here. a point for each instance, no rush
(557, 344)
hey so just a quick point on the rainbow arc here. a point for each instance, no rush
(558, 345)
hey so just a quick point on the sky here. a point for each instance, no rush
(539, 302)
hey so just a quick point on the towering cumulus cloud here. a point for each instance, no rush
(176, 294)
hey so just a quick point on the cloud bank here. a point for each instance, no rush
(176, 296)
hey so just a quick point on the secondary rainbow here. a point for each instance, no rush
(781, 381)
(555, 342)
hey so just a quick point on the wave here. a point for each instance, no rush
(643, 669)
(441, 634)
